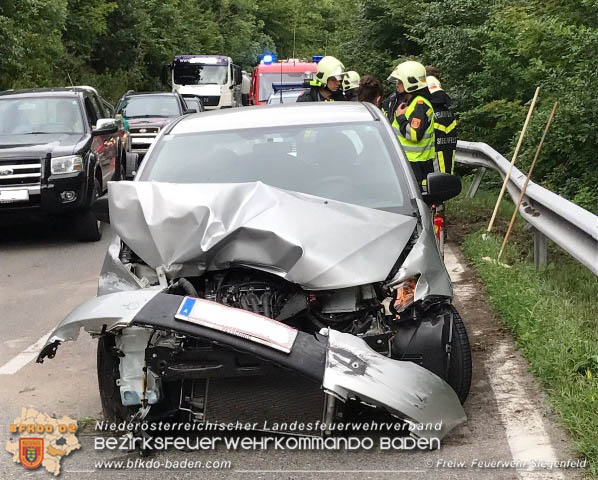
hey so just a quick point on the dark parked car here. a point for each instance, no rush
(194, 103)
(58, 150)
(147, 113)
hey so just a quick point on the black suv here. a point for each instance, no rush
(58, 150)
(147, 113)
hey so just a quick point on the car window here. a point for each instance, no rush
(91, 113)
(99, 111)
(349, 162)
(108, 108)
(149, 106)
(267, 79)
(30, 115)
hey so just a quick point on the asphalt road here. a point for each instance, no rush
(44, 274)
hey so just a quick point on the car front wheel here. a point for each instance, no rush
(89, 228)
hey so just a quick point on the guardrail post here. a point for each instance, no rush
(540, 250)
(473, 188)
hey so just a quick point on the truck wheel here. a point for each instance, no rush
(89, 228)
(459, 374)
(108, 373)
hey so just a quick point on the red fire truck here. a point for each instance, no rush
(268, 72)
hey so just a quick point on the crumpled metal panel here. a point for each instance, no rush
(308, 240)
(114, 277)
(351, 368)
(114, 310)
(424, 260)
(354, 370)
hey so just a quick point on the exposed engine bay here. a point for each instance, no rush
(384, 317)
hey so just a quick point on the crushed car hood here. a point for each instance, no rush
(308, 240)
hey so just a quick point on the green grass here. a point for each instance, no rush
(553, 314)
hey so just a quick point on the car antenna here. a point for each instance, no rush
(70, 80)
(294, 43)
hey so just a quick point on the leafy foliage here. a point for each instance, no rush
(492, 55)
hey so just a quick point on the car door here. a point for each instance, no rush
(104, 146)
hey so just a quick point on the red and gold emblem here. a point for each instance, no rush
(31, 452)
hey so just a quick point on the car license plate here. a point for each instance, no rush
(8, 196)
(237, 322)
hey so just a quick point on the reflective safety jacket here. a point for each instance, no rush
(445, 131)
(416, 130)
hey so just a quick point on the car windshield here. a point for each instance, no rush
(348, 162)
(198, 74)
(33, 115)
(267, 79)
(149, 106)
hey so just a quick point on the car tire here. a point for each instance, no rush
(460, 367)
(89, 228)
(119, 170)
(108, 373)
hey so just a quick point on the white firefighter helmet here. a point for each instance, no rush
(434, 84)
(351, 80)
(329, 67)
(411, 74)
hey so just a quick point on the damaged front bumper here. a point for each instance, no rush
(343, 364)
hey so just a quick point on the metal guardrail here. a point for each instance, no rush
(571, 227)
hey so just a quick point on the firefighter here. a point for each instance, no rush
(351, 85)
(325, 86)
(445, 125)
(410, 112)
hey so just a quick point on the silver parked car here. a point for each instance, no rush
(293, 236)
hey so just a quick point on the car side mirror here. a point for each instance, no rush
(442, 187)
(105, 126)
(131, 165)
(100, 208)
(190, 110)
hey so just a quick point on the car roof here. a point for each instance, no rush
(320, 113)
(58, 92)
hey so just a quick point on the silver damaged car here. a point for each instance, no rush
(285, 240)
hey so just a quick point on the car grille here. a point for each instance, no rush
(211, 101)
(143, 137)
(144, 130)
(20, 172)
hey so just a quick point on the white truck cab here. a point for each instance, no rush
(214, 78)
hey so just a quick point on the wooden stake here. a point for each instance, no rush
(508, 176)
(529, 174)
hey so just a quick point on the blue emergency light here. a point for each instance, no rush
(268, 58)
(317, 58)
